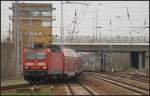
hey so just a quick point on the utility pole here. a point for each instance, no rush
(18, 65)
(68, 2)
(74, 27)
(62, 31)
(101, 61)
(110, 59)
(100, 32)
(96, 24)
(93, 24)
(9, 33)
(31, 33)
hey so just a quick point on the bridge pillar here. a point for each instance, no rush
(102, 66)
(141, 60)
(97, 63)
(110, 59)
(102, 61)
(105, 61)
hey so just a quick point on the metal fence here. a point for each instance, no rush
(89, 39)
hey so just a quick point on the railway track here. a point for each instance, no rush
(144, 79)
(134, 77)
(131, 78)
(15, 86)
(135, 89)
(142, 85)
(77, 88)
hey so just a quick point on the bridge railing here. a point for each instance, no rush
(89, 39)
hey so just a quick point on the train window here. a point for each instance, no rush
(41, 55)
(30, 55)
(35, 55)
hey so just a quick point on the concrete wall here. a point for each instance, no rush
(120, 61)
(89, 62)
(8, 68)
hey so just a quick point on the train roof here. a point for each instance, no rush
(79, 55)
(54, 48)
(69, 52)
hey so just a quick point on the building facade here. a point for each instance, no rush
(33, 22)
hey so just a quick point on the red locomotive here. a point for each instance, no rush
(50, 63)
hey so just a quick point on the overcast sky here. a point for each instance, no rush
(106, 11)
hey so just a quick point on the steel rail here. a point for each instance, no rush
(83, 86)
(15, 86)
(132, 78)
(120, 84)
(91, 93)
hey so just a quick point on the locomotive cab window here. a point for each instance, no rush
(35, 55)
(41, 55)
(54, 48)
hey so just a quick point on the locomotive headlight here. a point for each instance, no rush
(26, 67)
(44, 67)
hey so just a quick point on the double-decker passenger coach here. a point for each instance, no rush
(52, 62)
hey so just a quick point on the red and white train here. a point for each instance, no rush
(50, 63)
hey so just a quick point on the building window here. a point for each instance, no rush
(35, 13)
(46, 13)
(46, 23)
(41, 13)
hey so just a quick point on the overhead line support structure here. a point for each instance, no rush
(18, 65)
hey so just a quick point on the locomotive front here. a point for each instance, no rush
(35, 64)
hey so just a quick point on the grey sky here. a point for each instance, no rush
(107, 10)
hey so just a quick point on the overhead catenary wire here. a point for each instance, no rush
(84, 13)
(79, 16)
(76, 19)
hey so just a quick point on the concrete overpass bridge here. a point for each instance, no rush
(114, 47)
(137, 48)
(88, 44)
